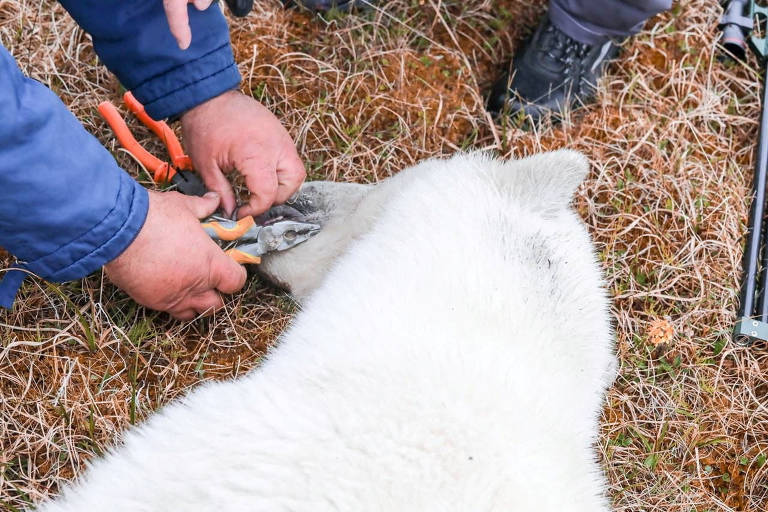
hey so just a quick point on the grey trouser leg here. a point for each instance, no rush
(596, 21)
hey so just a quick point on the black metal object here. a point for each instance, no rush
(737, 25)
(189, 183)
(240, 8)
(752, 321)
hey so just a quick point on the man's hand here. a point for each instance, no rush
(235, 132)
(178, 19)
(173, 265)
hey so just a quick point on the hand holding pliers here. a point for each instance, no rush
(244, 240)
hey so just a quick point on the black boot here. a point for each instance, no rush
(551, 73)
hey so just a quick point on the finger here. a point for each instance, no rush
(290, 175)
(184, 314)
(202, 5)
(227, 276)
(262, 183)
(206, 303)
(178, 21)
(202, 207)
(215, 180)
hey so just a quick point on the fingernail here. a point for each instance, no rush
(211, 195)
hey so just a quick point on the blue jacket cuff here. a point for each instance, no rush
(93, 249)
(10, 282)
(187, 86)
(134, 41)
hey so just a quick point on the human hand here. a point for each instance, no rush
(178, 19)
(233, 131)
(173, 265)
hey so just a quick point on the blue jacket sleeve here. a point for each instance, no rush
(134, 41)
(66, 208)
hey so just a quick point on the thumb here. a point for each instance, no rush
(227, 276)
(215, 180)
(202, 207)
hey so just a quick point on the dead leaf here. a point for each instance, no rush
(660, 331)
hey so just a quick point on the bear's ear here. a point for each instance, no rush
(547, 179)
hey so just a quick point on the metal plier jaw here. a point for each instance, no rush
(245, 241)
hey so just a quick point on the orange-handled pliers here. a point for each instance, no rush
(243, 240)
(178, 171)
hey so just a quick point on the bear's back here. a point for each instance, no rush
(453, 359)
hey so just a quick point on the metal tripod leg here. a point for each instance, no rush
(752, 323)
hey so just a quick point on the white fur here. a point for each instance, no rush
(454, 359)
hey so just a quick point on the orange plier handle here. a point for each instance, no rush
(243, 257)
(229, 231)
(162, 172)
(162, 130)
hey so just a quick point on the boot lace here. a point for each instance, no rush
(563, 51)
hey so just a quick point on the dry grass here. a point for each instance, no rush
(671, 140)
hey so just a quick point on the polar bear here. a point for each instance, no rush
(451, 354)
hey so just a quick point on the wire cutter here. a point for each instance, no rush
(178, 172)
(244, 240)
